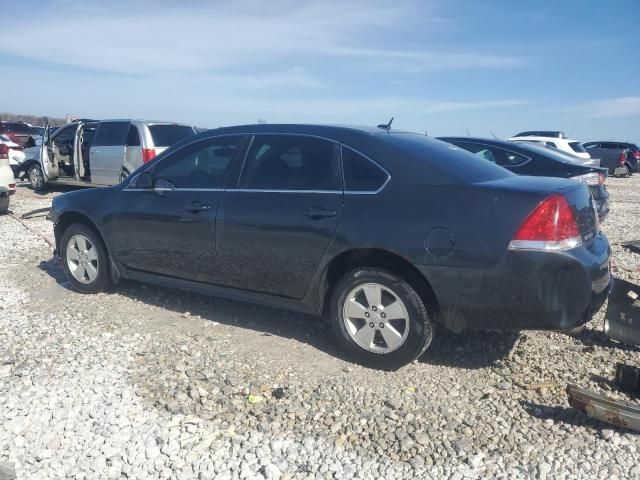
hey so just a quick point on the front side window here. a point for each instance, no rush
(360, 174)
(202, 165)
(111, 134)
(291, 162)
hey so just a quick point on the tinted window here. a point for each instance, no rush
(592, 145)
(360, 174)
(19, 128)
(577, 147)
(111, 133)
(167, 135)
(64, 135)
(202, 165)
(291, 162)
(133, 137)
(483, 151)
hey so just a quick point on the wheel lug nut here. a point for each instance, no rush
(383, 315)
(371, 324)
(374, 308)
(366, 314)
(381, 325)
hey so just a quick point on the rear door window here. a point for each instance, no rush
(18, 128)
(111, 134)
(291, 162)
(202, 165)
(165, 135)
(360, 173)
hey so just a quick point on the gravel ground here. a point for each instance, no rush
(145, 382)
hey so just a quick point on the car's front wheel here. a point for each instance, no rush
(84, 259)
(36, 178)
(379, 319)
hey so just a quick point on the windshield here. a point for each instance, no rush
(168, 134)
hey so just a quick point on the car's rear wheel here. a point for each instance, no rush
(4, 204)
(36, 178)
(124, 173)
(379, 319)
(84, 259)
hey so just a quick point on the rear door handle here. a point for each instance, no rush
(316, 213)
(196, 207)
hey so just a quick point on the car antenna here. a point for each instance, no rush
(386, 126)
(494, 135)
(468, 135)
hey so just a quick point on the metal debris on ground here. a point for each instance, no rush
(628, 378)
(633, 245)
(599, 407)
(622, 320)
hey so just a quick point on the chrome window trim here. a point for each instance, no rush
(371, 160)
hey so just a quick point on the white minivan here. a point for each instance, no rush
(100, 153)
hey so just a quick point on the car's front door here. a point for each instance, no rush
(107, 152)
(168, 229)
(273, 229)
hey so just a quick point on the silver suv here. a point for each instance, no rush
(100, 153)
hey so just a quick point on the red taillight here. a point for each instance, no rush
(4, 150)
(622, 158)
(551, 226)
(636, 154)
(148, 154)
(12, 186)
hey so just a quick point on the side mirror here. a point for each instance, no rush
(142, 180)
(163, 187)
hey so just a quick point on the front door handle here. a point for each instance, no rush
(316, 213)
(196, 207)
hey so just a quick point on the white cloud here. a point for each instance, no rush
(614, 107)
(147, 37)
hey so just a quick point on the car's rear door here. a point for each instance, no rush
(168, 230)
(106, 155)
(273, 230)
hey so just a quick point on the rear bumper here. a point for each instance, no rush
(527, 291)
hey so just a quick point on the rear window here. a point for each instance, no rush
(453, 161)
(167, 135)
(577, 147)
(19, 128)
(552, 153)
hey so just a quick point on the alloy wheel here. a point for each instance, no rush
(376, 318)
(82, 259)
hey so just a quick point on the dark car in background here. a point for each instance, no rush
(18, 132)
(530, 159)
(387, 233)
(621, 153)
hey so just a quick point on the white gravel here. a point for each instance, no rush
(147, 382)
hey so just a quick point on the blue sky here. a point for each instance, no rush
(445, 67)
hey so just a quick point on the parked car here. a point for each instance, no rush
(99, 153)
(541, 133)
(570, 146)
(17, 132)
(617, 152)
(7, 181)
(537, 160)
(15, 153)
(388, 233)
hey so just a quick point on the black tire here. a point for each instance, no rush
(124, 174)
(36, 178)
(420, 324)
(102, 281)
(4, 204)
